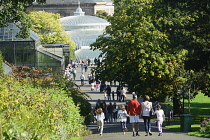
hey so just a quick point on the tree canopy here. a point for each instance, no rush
(145, 45)
(48, 27)
(13, 11)
(101, 14)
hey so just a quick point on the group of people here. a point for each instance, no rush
(70, 72)
(110, 111)
(135, 110)
(71, 69)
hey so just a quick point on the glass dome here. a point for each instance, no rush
(84, 30)
(82, 20)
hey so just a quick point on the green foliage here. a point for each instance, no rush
(150, 41)
(37, 113)
(13, 11)
(205, 129)
(1, 65)
(48, 27)
(76, 138)
(79, 98)
(186, 25)
(101, 14)
(33, 76)
(39, 78)
(199, 107)
(138, 50)
(198, 134)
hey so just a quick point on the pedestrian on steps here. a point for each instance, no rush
(82, 78)
(100, 120)
(122, 115)
(134, 110)
(146, 109)
(160, 117)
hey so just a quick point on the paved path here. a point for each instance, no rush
(113, 131)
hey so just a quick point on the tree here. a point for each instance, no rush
(48, 27)
(186, 23)
(136, 52)
(13, 11)
(101, 14)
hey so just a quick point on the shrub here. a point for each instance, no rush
(1, 65)
(205, 126)
(39, 78)
(79, 98)
(37, 113)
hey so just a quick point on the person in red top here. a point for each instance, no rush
(134, 110)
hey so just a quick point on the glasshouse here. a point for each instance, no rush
(29, 52)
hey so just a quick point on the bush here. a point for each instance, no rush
(39, 79)
(1, 65)
(37, 113)
(79, 98)
(205, 126)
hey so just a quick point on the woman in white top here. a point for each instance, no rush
(100, 119)
(122, 115)
(146, 107)
(160, 117)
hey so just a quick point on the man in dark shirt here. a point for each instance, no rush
(110, 110)
(108, 91)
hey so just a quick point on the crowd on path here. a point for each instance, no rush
(121, 118)
(130, 113)
(72, 68)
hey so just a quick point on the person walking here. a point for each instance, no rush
(97, 85)
(74, 72)
(82, 78)
(122, 115)
(169, 114)
(98, 104)
(115, 111)
(145, 111)
(118, 93)
(126, 108)
(92, 86)
(110, 110)
(122, 94)
(108, 91)
(82, 66)
(95, 61)
(104, 108)
(134, 110)
(113, 95)
(160, 117)
(86, 67)
(100, 120)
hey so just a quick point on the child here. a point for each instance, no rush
(160, 117)
(122, 115)
(100, 119)
(92, 86)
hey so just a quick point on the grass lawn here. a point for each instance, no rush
(76, 138)
(200, 106)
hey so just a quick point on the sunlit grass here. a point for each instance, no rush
(76, 138)
(199, 106)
